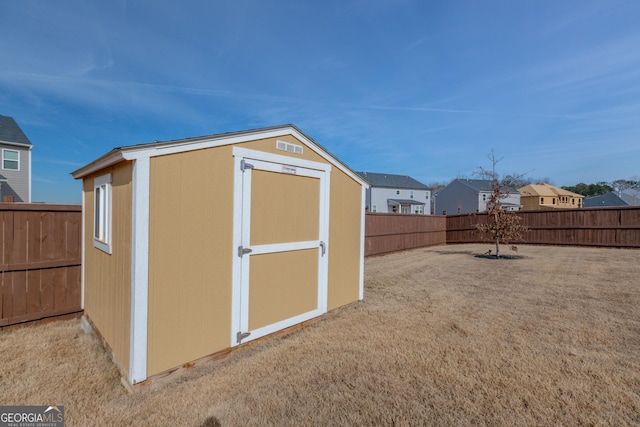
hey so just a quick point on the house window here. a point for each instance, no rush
(542, 200)
(411, 194)
(374, 208)
(426, 195)
(102, 213)
(419, 209)
(484, 197)
(553, 201)
(11, 160)
(573, 201)
(397, 191)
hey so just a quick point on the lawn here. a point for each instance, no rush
(443, 337)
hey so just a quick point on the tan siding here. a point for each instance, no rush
(283, 285)
(344, 239)
(190, 256)
(284, 208)
(107, 296)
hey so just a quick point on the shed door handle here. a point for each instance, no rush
(323, 247)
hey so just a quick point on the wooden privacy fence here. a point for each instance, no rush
(396, 232)
(607, 227)
(40, 261)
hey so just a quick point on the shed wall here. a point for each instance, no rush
(190, 242)
(191, 248)
(107, 277)
(345, 219)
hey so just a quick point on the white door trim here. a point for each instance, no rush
(241, 221)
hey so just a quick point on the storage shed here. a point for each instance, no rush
(195, 246)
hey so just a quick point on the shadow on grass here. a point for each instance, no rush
(211, 422)
(505, 257)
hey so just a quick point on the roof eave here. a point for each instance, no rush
(18, 144)
(134, 152)
(109, 159)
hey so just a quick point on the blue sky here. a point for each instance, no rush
(423, 88)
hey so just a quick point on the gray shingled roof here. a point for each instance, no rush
(392, 181)
(11, 132)
(483, 185)
(607, 199)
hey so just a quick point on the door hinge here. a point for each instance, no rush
(244, 165)
(243, 251)
(242, 335)
(323, 247)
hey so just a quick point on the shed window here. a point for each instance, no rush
(11, 160)
(102, 213)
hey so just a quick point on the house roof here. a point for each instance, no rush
(479, 185)
(546, 190)
(10, 132)
(157, 148)
(607, 199)
(388, 180)
(631, 196)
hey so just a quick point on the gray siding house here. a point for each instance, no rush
(396, 194)
(463, 196)
(15, 169)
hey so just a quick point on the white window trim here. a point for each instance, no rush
(104, 244)
(4, 150)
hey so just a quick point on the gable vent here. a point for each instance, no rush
(289, 147)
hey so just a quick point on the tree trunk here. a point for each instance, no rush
(497, 247)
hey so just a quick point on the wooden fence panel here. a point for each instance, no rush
(386, 233)
(606, 227)
(39, 262)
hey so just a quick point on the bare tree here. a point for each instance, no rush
(502, 225)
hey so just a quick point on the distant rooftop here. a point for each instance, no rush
(546, 190)
(392, 181)
(607, 199)
(11, 132)
(483, 185)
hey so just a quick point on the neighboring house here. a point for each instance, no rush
(546, 196)
(603, 200)
(15, 173)
(463, 196)
(396, 194)
(631, 196)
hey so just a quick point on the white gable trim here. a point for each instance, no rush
(161, 149)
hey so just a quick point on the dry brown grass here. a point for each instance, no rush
(442, 338)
